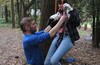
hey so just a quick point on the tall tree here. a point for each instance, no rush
(93, 25)
(18, 11)
(97, 27)
(6, 13)
(47, 9)
(13, 14)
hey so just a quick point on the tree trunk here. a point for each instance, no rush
(35, 9)
(97, 36)
(22, 9)
(18, 11)
(13, 14)
(47, 10)
(93, 31)
(6, 14)
(97, 26)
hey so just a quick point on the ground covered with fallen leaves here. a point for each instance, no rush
(11, 51)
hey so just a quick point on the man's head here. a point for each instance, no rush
(28, 25)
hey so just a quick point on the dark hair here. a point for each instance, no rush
(25, 22)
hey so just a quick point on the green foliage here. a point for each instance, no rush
(3, 24)
(84, 7)
(1, 20)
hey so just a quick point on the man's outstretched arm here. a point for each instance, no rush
(55, 29)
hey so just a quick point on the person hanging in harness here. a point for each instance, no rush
(32, 39)
(65, 37)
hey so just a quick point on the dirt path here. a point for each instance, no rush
(83, 51)
(11, 52)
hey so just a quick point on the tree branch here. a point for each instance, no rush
(29, 5)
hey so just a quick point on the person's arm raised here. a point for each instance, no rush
(52, 21)
(48, 28)
(55, 29)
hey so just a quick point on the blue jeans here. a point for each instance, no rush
(55, 54)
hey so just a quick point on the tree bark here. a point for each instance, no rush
(6, 14)
(18, 11)
(97, 27)
(13, 14)
(47, 10)
(35, 10)
(93, 31)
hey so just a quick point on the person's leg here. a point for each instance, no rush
(64, 47)
(51, 51)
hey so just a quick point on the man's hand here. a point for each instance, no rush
(55, 16)
(64, 16)
(52, 22)
(67, 6)
(53, 19)
(55, 29)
